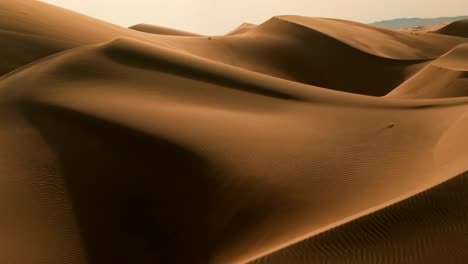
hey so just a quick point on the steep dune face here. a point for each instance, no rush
(288, 47)
(31, 30)
(441, 214)
(457, 28)
(444, 77)
(309, 56)
(157, 148)
(243, 198)
(314, 51)
(380, 42)
(38, 18)
(291, 51)
(19, 49)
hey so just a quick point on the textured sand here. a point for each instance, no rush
(299, 140)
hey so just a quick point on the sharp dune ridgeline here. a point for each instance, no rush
(296, 141)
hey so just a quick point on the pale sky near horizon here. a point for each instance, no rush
(213, 17)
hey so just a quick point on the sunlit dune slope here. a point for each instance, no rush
(242, 29)
(240, 184)
(407, 232)
(444, 77)
(285, 48)
(289, 47)
(300, 140)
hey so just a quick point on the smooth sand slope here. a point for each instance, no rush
(457, 28)
(31, 30)
(244, 27)
(444, 77)
(292, 47)
(147, 147)
(287, 47)
(18, 49)
(162, 30)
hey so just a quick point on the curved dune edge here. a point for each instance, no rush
(162, 30)
(144, 55)
(444, 77)
(385, 43)
(93, 88)
(287, 47)
(353, 239)
(23, 49)
(457, 28)
(122, 146)
(260, 54)
(359, 241)
(242, 29)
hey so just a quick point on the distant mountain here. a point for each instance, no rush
(414, 22)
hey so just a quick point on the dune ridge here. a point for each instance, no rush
(415, 246)
(162, 30)
(299, 140)
(458, 28)
(451, 81)
(244, 27)
(279, 47)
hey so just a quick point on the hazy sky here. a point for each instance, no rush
(220, 16)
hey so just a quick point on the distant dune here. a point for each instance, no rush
(415, 22)
(242, 29)
(162, 30)
(457, 28)
(296, 141)
(452, 78)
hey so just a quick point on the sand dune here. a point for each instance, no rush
(18, 49)
(242, 29)
(47, 29)
(37, 18)
(149, 145)
(282, 47)
(291, 51)
(441, 214)
(457, 28)
(380, 42)
(444, 77)
(162, 30)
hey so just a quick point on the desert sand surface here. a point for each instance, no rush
(457, 28)
(298, 140)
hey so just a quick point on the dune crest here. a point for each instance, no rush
(162, 30)
(300, 140)
(457, 28)
(444, 77)
(380, 42)
(242, 29)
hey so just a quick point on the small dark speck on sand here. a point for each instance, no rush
(391, 126)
